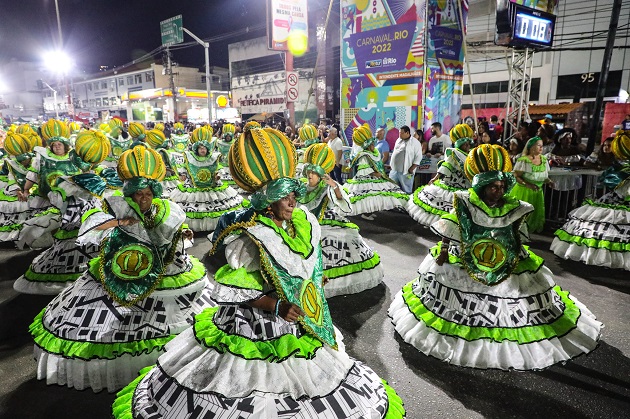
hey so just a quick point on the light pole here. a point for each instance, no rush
(54, 98)
(70, 108)
(206, 46)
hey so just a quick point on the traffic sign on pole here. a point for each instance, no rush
(171, 31)
(292, 86)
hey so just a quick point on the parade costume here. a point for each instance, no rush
(308, 135)
(46, 168)
(157, 140)
(141, 291)
(369, 193)
(119, 144)
(598, 232)
(13, 212)
(202, 197)
(242, 361)
(491, 303)
(429, 202)
(223, 146)
(536, 175)
(66, 260)
(350, 265)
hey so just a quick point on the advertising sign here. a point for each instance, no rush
(284, 16)
(383, 49)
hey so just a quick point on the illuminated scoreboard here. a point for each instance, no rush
(522, 27)
(532, 28)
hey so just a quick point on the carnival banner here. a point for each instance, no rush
(397, 55)
(382, 58)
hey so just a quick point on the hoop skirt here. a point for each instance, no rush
(349, 263)
(240, 361)
(598, 232)
(525, 322)
(88, 337)
(429, 202)
(371, 194)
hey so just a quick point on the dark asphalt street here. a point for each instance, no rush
(593, 386)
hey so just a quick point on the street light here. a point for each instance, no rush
(58, 62)
(206, 46)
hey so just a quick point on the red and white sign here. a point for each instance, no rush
(293, 91)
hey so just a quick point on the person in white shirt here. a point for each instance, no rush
(335, 143)
(439, 142)
(405, 158)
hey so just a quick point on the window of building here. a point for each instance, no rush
(103, 85)
(584, 85)
(98, 103)
(148, 77)
(92, 103)
(121, 81)
(129, 80)
(84, 103)
(105, 101)
(113, 101)
(89, 86)
(138, 78)
(501, 87)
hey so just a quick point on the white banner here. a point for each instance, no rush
(284, 16)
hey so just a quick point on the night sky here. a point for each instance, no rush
(114, 32)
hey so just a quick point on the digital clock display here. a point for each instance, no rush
(533, 27)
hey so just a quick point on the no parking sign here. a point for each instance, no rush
(292, 86)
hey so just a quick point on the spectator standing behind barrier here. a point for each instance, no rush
(383, 147)
(439, 141)
(336, 145)
(531, 172)
(625, 124)
(419, 135)
(603, 158)
(405, 158)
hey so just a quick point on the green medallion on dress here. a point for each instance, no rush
(489, 253)
(119, 145)
(201, 170)
(180, 142)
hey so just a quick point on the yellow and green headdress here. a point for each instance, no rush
(228, 129)
(489, 163)
(106, 128)
(24, 129)
(17, 145)
(318, 158)
(621, 145)
(115, 127)
(34, 139)
(461, 134)
(140, 168)
(55, 130)
(208, 128)
(362, 136)
(156, 138)
(263, 161)
(178, 128)
(201, 134)
(74, 127)
(308, 134)
(159, 126)
(92, 146)
(137, 131)
(250, 125)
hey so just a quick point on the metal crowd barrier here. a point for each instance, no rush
(571, 189)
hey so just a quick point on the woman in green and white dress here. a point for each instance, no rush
(370, 189)
(350, 265)
(137, 295)
(62, 263)
(482, 299)
(431, 201)
(269, 349)
(48, 164)
(14, 211)
(532, 172)
(202, 196)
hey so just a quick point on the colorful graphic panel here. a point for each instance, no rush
(444, 63)
(389, 50)
(382, 58)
